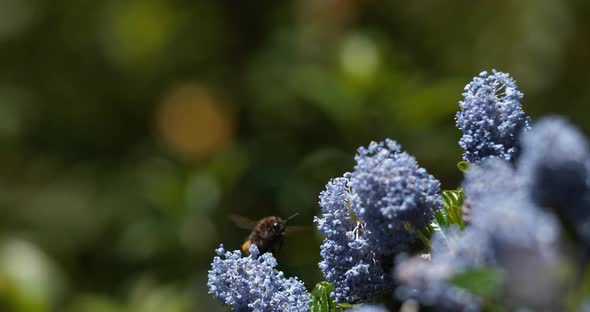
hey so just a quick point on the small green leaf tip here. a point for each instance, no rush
(463, 166)
(346, 306)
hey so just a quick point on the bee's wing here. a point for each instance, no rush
(242, 222)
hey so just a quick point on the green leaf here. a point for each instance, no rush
(463, 166)
(485, 282)
(440, 218)
(580, 293)
(461, 196)
(451, 212)
(321, 300)
(455, 216)
(452, 197)
(423, 234)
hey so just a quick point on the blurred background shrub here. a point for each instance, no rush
(132, 129)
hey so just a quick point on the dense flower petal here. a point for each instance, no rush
(349, 262)
(371, 214)
(397, 197)
(491, 117)
(252, 284)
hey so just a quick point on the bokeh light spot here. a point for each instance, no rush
(28, 275)
(193, 123)
(359, 57)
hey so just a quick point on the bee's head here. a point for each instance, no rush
(278, 226)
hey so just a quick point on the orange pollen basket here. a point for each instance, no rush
(246, 246)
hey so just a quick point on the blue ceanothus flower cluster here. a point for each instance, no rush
(349, 262)
(527, 194)
(511, 228)
(371, 214)
(508, 232)
(491, 117)
(252, 283)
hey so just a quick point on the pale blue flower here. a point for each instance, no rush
(251, 283)
(491, 117)
(370, 215)
(349, 262)
(396, 196)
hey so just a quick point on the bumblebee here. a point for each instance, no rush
(267, 234)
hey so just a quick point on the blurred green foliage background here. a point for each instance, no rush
(132, 129)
